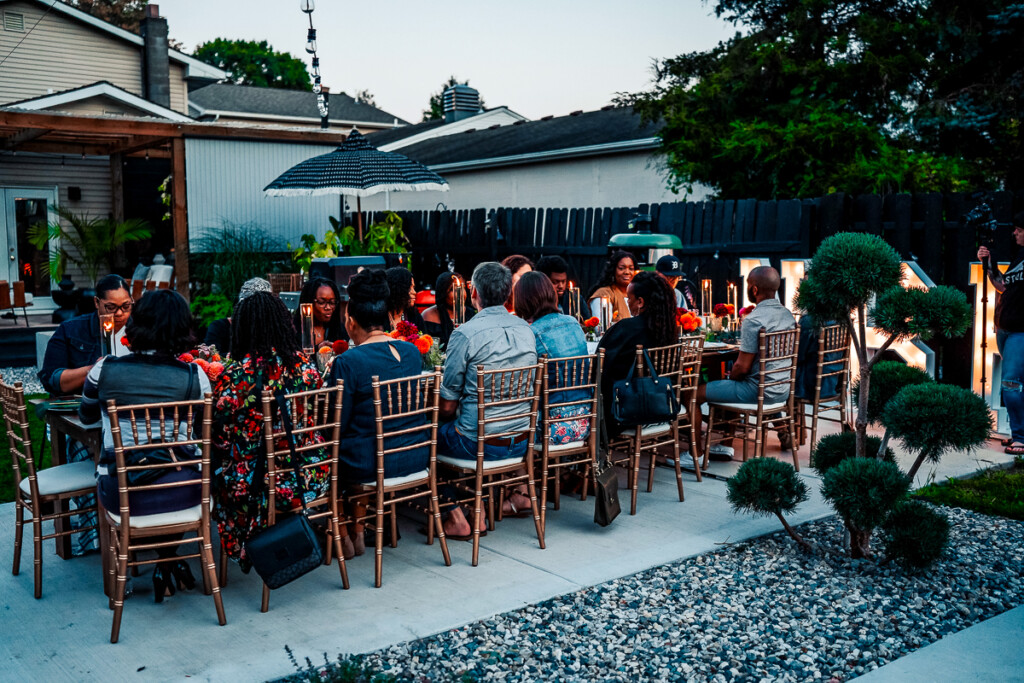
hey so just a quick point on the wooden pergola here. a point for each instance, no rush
(121, 136)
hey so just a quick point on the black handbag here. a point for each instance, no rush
(644, 400)
(159, 455)
(290, 548)
(606, 480)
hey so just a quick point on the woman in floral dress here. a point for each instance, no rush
(266, 356)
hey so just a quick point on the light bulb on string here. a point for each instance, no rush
(311, 41)
(316, 85)
(307, 6)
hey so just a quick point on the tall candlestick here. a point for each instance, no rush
(733, 300)
(459, 301)
(107, 333)
(606, 312)
(306, 317)
(705, 297)
(573, 302)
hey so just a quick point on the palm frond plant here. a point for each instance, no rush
(86, 241)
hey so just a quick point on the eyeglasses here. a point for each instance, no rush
(326, 303)
(111, 309)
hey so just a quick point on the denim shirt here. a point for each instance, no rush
(75, 344)
(560, 336)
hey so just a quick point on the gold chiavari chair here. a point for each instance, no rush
(691, 356)
(833, 361)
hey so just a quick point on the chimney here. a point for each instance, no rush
(460, 102)
(325, 121)
(156, 64)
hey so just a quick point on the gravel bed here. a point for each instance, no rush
(761, 610)
(27, 376)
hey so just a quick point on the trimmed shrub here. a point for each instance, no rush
(888, 377)
(766, 486)
(835, 448)
(863, 492)
(915, 534)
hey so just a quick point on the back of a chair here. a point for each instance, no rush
(316, 430)
(5, 295)
(777, 356)
(171, 425)
(284, 282)
(563, 377)
(666, 360)
(690, 357)
(20, 300)
(407, 407)
(138, 287)
(150, 285)
(12, 399)
(834, 356)
(509, 395)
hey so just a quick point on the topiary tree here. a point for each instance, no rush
(931, 419)
(863, 492)
(849, 272)
(835, 448)
(766, 486)
(888, 377)
(915, 534)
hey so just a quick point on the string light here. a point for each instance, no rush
(307, 7)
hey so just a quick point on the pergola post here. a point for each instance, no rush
(179, 215)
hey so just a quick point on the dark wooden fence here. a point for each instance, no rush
(928, 228)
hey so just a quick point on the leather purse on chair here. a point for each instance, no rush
(644, 400)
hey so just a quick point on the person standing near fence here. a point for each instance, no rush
(1009, 317)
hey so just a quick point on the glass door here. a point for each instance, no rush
(20, 209)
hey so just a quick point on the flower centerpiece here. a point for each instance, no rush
(718, 314)
(326, 355)
(429, 348)
(688, 321)
(591, 327)
(207, 358)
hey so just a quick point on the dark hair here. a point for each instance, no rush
(1018, 219)
(261, 327)
(492, 283)
(516, 261)
(659, 312)
(608, 276)
(552, 264)
(160, 322)
(110, 283)
(368, 294)
(535, 296)
(335, 330)
(441, 288)
(399, 281)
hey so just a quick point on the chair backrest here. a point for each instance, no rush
(20, 300)
(170, 425)
(570, 375)
(667, 361)
(5, 295)
(779, 351)
(316, 429)
(690, 357)
(397, 404)
(138, 287)
(150, 285)
(515, 392)
(12, 400)
(284, 282)
(834, 356)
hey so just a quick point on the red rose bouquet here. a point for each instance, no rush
(687, 320)
(207, 358)
(429, 349)
(722, 310)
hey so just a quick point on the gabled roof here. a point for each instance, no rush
(246, 101)
(99, 89)
(194, 67)
(386, 137)
(392, 140)
(610, 130)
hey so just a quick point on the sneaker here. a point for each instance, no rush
(720, 453)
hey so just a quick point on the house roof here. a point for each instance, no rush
(252, 102)
(609, 130)
(386, 137)
(195, 69)
(399, 138)
(99, 89)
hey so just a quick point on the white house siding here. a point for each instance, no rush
(611, 180)
(225, 181)
(92, 175)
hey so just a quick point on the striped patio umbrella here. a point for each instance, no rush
(356, 168)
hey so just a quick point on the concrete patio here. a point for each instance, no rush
(65, 635)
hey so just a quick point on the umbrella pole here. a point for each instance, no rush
(359, 217)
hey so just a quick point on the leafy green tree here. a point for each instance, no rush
(435, 112)
(863, 492)
(365, 97)
(766, 486)
(123, 13)
(249, 62)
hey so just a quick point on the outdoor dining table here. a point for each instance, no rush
(65, 425)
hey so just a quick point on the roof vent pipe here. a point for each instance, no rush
(460, 102)
(156, 63)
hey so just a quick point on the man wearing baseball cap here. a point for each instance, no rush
(672, 269)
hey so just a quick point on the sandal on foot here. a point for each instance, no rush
(1014, 450)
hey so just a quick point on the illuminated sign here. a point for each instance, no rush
(987, 362)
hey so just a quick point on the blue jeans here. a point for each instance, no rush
(1011, 348)
(450, 442)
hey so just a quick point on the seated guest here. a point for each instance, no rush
(439, 319)
(75, 346)
(653, 324)
(741, 386)
(159, 330)
(374, 354)
(518, 265)
(266, 356)
(670, 267)
(618, 273)
(496, 340)
(328, 325)
(558, 336)
(557, 271)
(218, 334)
(402, 298)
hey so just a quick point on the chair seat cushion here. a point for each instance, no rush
(752, 407)
(74, 476)
(553, 448)
(192, 514)
(648, 430)
(471, 464)
(397, 481)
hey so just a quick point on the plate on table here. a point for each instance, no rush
(716, 345)
(64, 405)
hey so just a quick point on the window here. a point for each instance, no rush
(14, 21)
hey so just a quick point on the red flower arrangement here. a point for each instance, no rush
(590, 325)
(406, 331)
(722, 310)
(746, 310)
(125, 343)
(688, 321)
(339, 347)
(207, 358)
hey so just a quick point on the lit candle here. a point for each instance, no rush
(107, 329)
(606, 312)
(306, 317)
(733, 301)
(705, 297)
(459, 298)
(573, 302)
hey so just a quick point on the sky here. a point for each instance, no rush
(537, 57)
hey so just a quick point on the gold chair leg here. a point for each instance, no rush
(438, 525)
(19, 531)
(122, 578)
(37, 557)
(634, 468)
(210, 577)
(679, 467)
(378, 546)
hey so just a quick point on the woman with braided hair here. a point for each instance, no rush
(266, 355)
(652, 303)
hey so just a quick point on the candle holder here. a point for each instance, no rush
(306, 318)
(606, 313)
(573, 301)
(705, 297)
(107, 333)
(459, 298)
(733, 300)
